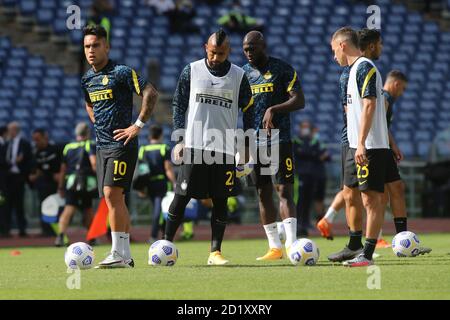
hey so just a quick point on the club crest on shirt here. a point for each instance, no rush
(105, 80)
(267, 75)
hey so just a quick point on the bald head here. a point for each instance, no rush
(13, 129)
(254, 46)
(217, 49)
(254, 37)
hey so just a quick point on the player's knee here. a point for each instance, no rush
(372, 201)
(351, 196)
(397, 189)
(177, 207)
(285, 192)
(113, 195)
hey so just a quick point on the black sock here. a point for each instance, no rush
(175, 216)
(355, 240)
(218, 223)
(369, 248)
(400, 224)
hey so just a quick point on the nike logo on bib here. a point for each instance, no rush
(117, 179)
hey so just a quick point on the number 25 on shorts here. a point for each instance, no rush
(120, 167)
(363, 172)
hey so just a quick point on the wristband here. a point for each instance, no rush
(139, 123)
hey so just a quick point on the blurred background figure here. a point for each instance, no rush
(320, 174)
(436, 194)
(3, 171)
(181, 17)
(307, 155)
(19, 158)
(44, 175)
(77, 183)
(237, 21)
(100, 15)
(156, 175)
(161, 6)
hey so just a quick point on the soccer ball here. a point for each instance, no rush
(405, 244)
(281, 231)
(79, 255)
(162, 253)
(303, 252)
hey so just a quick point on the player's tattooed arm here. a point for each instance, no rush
(90, 111)
(149, 99)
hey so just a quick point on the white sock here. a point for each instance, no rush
(331, 213)
(272, 235)
(117, 242)
(290, 227)
(380, 235)
(126, 247)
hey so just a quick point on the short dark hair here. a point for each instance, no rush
(220, 37)
(397, 75)
(349, 34)
(367, 37)
(155, 131)
(96, 30)
(41, 131)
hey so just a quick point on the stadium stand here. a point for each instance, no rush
(297, 31)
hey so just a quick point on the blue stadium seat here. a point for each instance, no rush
(21, 114)
(40, 123)
(7, 93)
(27, 7)
(423, 149)
(45, 16)
(42, 113)
(407, 148)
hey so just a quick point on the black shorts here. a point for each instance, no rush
(200, 180)
(115, 167)
(370, 177)
(285, 173)
(81, 200)
(392, 173)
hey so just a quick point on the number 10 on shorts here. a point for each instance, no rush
(120, 167)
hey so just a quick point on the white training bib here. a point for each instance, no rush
(377, 137)
(213, 109)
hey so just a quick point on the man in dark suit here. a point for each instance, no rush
(19, 158)
(45, 168)
(3, 170)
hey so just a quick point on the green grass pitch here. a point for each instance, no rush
(40, 273)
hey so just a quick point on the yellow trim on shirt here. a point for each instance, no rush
(366, 81)
(249, 105)
(135, 81)
(291, 84)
